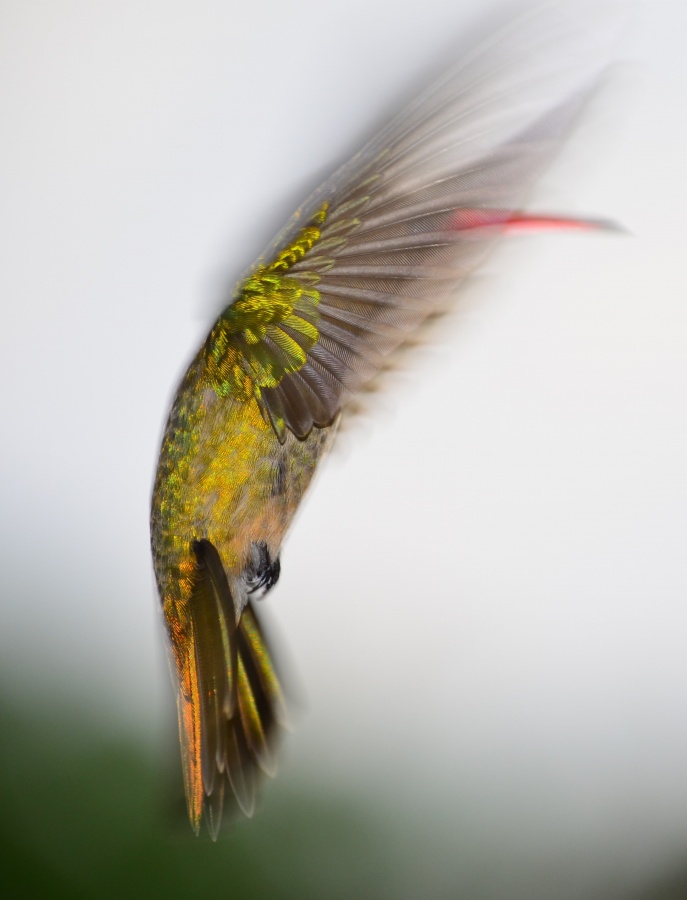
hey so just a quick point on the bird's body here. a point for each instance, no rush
(375, 252)
(225, 477)
(226, 480)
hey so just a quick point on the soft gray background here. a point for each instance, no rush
(484, 601)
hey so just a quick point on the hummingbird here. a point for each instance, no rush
(378, 249)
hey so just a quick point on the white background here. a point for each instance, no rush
(485, 599)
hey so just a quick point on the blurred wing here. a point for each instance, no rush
(384, 243)
(237, 705)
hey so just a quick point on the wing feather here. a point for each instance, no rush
(392, 234)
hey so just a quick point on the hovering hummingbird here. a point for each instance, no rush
(376, 250)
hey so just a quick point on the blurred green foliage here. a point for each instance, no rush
(87, 811)
(86, 814)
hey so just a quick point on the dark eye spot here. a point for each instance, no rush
(262, 572)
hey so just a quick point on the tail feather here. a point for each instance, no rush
(231, 704)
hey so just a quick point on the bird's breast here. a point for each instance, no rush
(224, 476)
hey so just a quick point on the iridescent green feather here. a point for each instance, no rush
(269, 329)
